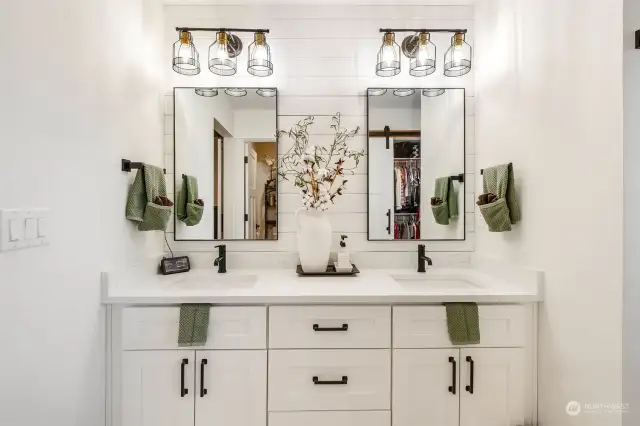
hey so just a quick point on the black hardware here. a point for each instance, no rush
(345, 327)
(638, 39)
(246, 160)
(420, 30)
(221, 260)
(469, 387)
(231, 30)
(246, 217)
(128, 165)
(482, 170)
(203, 391)
(459, 178)
(454, 372)
(316, 381)
(183, 391)
(422, 258)
(389, 221)
(387, 133)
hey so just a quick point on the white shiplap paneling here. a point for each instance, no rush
(324, 61)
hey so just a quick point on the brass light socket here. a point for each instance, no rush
(223, 37)
(459, 39)
(424, 38)
(259, 38)
(388, 38)
(185, 37)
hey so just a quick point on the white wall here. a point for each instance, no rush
(441, 151)
(549, 99)
(631, 331)
(80, 92)
(319, 72)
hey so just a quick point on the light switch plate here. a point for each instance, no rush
(23, 228)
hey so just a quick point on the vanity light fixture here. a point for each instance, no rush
(222, 60)
(267, 92)
(206, 92)
(377, 92)
(457, 59)
(388, 63)
(236, 92)
(432, 93)
(186, 59)
(422, 53)
(259, 63)
(404, 92)
(423, 60)
(223, 52)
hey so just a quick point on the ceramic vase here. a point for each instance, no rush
(314, 240)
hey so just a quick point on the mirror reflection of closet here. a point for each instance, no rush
(415, 137)
(225, 138)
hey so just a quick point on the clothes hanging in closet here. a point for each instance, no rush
(407, 184)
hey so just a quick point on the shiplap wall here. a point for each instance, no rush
(324, 60)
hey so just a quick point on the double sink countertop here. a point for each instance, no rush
(485, 282)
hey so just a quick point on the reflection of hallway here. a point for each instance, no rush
(261, 191)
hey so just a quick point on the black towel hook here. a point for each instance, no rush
(459, 178)
(482, 170)
(128, 165)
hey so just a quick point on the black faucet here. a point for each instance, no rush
(221, 260)
(422, 258)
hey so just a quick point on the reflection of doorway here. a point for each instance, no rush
(260, 190)
(218, 186)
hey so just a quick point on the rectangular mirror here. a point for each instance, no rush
(416, 140)
(225, 163)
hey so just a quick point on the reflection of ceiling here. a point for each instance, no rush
(251, 101)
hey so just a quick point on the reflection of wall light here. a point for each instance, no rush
(432, 93)
(377, 92)
(206, 92)
(404, 92)
(267, 93)
(236, 92)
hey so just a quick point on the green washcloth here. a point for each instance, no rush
(143, 206)
(194, 324)
(444, 204)
(190, 208)
(462, 323)
(499, 180)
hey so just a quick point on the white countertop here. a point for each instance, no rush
(437, 285)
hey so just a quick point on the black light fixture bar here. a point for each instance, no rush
(420, 30)
(232, 30)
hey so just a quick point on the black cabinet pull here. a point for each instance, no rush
(344, 327)
(469, 387)
(344, 381)
(183, 390)
(203, 391)
(389, 221)
(454, 372)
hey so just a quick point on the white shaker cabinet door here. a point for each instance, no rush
(157, 388)
(426, 387)
(231, 388)
(493, 387)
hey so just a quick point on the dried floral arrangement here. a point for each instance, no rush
(319, 171)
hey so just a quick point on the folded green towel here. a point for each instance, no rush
(190, 208)
(462, 323)
(194, 324)
(499, 180)
(444, 204)
(147, 202)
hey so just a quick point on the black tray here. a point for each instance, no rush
(331, 271)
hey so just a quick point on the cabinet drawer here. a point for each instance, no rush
(333, 418)
(317, 327)
(358, 380)
(426, 326)
(237, 327)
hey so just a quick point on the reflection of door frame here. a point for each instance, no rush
(249, 231)
(218, 219)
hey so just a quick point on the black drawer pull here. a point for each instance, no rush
(469, 387)
(203, 391)
(344, 380)
(454, 372)
(183, 390)
(345, 327)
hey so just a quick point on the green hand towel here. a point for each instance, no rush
(499, 180)
(148, 185)
(444, 204)
(462, 323)
(194, 324)
(190, 208)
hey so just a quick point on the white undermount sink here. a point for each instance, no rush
(434, 281)
(208, 279)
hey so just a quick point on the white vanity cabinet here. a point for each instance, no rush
(343, 365)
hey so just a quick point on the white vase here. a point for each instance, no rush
(314, 240)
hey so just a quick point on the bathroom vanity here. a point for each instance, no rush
(284, 350)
